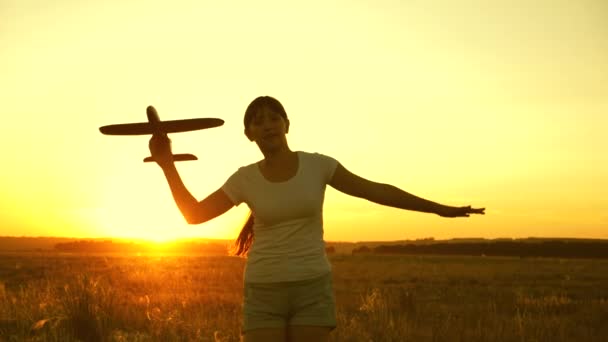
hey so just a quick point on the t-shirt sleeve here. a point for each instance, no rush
(233, 188)
(328, 166)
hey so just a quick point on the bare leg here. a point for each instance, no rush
(265, 335)
(307, 333)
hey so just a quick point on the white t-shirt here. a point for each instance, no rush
(288, 219)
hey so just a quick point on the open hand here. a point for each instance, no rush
(460, 211)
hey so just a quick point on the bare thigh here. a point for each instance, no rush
(297, 333)
(264, 335)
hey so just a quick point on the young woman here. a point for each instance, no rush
(288, 294)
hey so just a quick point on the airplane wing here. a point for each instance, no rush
(169, 126)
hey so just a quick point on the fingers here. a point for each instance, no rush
(160, 141)
(466, 211)
(477, 210)
(480, 211)
(161, 138)
(160, 148)
(463, 211)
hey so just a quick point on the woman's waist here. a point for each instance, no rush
(287, 267)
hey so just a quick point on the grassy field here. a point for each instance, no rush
(52, 297)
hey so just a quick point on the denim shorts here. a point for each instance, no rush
(277, 305)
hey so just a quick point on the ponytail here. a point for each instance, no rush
(243, 242)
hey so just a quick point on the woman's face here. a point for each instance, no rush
(268, 128)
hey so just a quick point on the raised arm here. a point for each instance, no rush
(193, 211)
(389, 195)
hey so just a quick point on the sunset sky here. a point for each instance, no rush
(498, 104)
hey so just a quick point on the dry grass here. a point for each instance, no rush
(380, 298)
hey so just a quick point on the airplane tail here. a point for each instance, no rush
(176, 157)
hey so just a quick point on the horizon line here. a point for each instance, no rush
(137, 239)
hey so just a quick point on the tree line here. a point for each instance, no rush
(522, 248)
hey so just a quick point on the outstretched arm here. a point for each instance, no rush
(193, 211)
(389, 195)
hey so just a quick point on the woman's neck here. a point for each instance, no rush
(278, 157)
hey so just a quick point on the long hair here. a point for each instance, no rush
(245, 239)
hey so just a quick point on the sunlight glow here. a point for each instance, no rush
(499, 104)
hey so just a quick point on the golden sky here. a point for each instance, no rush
(499, 104)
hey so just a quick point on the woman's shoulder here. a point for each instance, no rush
(245, 170)
(308, 154)
(319, 160)
(314, 155)
(325, 164)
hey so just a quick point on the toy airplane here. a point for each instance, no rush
(155, 126)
